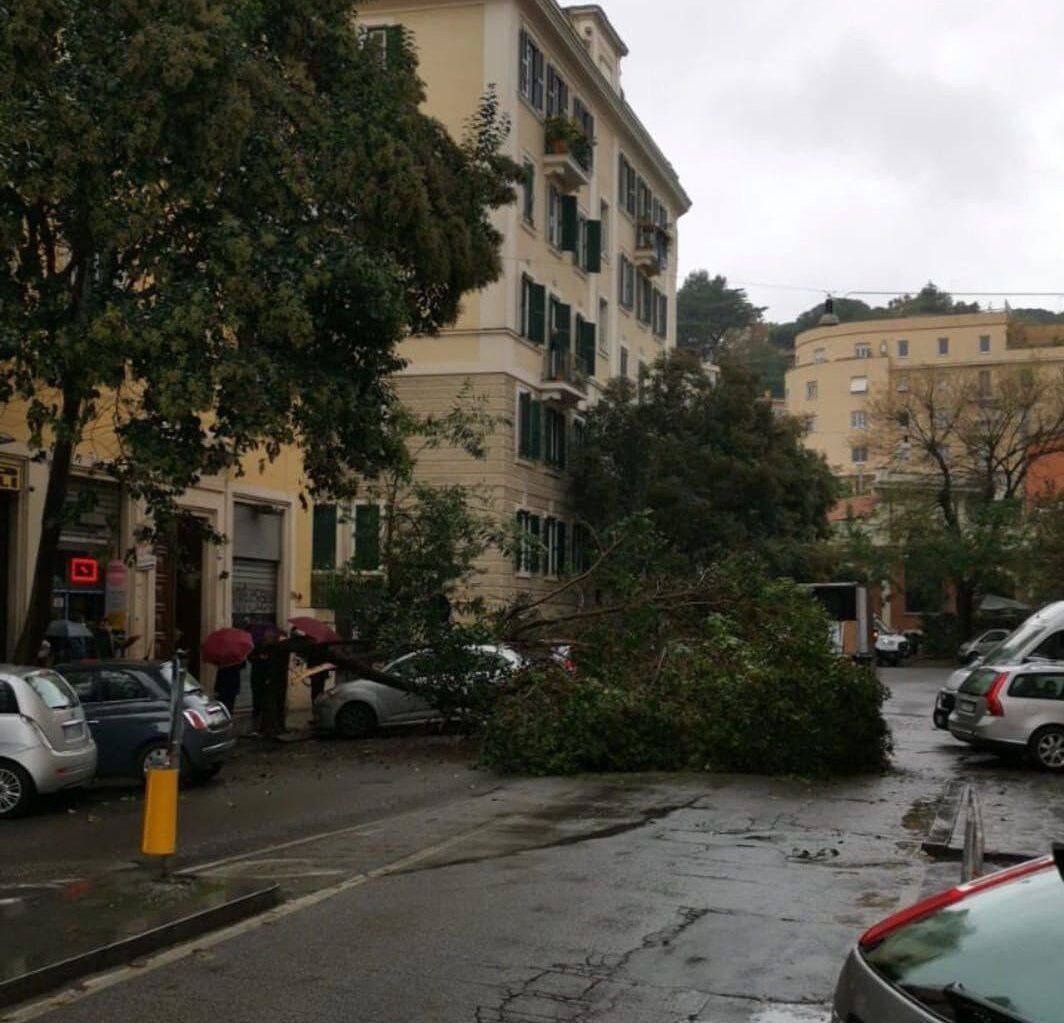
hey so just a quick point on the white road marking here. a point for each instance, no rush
(100, 982)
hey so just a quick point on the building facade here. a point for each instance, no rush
(588, 283)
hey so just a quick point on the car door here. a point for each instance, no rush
(404, 707)
(128, 713)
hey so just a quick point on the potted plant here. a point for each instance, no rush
(559, 133)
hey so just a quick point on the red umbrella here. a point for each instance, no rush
(316, 630)
(226, 647)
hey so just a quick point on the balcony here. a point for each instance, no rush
(652, 248)
(567, 154)
(563, 375)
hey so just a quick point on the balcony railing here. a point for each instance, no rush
(652, 247)
(561, 367)
(568, 154)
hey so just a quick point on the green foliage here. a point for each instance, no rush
(942, 635)
(715, 468)
(739, 675)
(709, 313)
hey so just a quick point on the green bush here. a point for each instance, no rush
(756, 687)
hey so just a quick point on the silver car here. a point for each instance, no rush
(1015, 708)
(981, 645)
(987, 951)
(357, 708)
(45, 743)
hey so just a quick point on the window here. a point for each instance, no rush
(624, 361)
(529, 545)
(556, 542)
(626, 284)
(644, 299)
(560, 325)
(582, 250)
(859, 420)
(818, 355)
(119, 686)
(323, 558)
(8, 699)
(903, 348)
(645, 199)
(528, 193)
(1038, 687)
(903, 383)
(641, 379)
(859, 455)
(530, 71)
(367, 537)
(529, 428)
(383, 39)
(661, 313)
(533, 310)
(603, 326)
(586, 123)
(604, 220)
(557, 94)
(943, 346)
(862, 351)
(554, 438)
(810, 424)
(984, 383)
(52, 689)
(858, 385)
(626, 193)
(810, 390)
(984, 344)
(554, 217)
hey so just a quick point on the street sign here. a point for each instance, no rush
(10, 476)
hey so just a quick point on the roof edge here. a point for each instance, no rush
(607, 26)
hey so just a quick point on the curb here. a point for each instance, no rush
(47, 978)
(938, 845)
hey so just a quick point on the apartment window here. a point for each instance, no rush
(533, 310)
(645, 200)
(858, 419)
(528, 192)
(984, 383)
(367, 537)
(818, 355)
(858, 385)
(624, 361)
(557, 543)
(626, 194)
(529, 544)
(984, 344)
(554, 217)
(661, 313)
(384, 39)
(604, 326)
(641, 380)
(529, 426)
(644, 299)
(554, 438)
(604, 220)
(903, 384)
(557, 94)
(859, 454)
(943, 346)
(903, 348)
(586, 122)
(810, 390)
(810, 424)
(324, 538)
(582, 247)
(626, 284)
(530, 73)
(862, 351)
(560, 325)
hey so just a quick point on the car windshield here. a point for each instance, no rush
(53, 690)
(978, 683)
(1001, 946)
(1011, 648)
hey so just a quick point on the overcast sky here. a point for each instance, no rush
(850, 145)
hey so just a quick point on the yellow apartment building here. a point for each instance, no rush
(588, 284)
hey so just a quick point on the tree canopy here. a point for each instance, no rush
(715, 467)
(708, 312)
(216, 221)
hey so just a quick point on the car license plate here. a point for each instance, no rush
(73, 729)
(967, 705)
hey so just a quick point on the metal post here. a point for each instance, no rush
(177, 706)
(972, 864)
(159, 834)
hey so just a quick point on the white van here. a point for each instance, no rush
(1039, 638)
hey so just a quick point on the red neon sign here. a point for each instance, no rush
(84, 571)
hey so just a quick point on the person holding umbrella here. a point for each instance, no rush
(228, 649)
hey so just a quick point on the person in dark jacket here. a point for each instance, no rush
(227, 685)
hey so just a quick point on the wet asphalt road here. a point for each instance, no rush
(649, 899)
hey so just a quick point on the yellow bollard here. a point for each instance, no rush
(159, 837)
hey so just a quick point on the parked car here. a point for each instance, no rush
(357, 708)
(1041, 636)
(890, 646)
(45, 744)
(127, 704)
(983, 951)
(980, 645)
(1014, 709)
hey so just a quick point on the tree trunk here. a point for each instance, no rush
(39, 611)
(966, 607)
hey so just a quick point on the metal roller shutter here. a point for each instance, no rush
(254, 590)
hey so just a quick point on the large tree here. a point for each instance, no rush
(715, 467)
(709, 313)
(217, 218)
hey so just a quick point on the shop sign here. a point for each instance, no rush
(10, 476)
(83, 572)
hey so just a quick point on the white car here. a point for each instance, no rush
(891, 647)
(358, 708)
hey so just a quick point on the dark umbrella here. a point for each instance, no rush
(262, 631)
(316, 630)
(227, 647)
(64, 628)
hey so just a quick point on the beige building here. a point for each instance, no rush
(839, 368)
(588, 287)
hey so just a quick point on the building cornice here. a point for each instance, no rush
(900, 326)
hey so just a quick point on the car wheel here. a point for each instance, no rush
(941, 719)
(153, 755)
(356, 721)
(16, 790)
(1046, 748)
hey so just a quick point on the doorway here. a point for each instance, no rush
(179, 594)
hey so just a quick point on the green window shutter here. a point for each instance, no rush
(367, 537)
(524, 425)
(324, 538)
(586, 349)
(562, 326)
(569, 223)
(535, 429)
(594, 247)
(561, 558)
(538, 315)
(393, 45)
